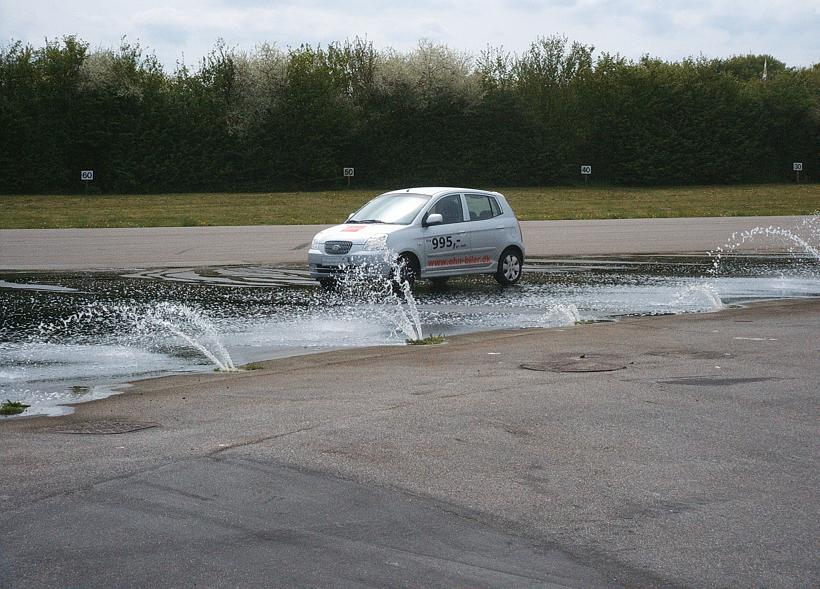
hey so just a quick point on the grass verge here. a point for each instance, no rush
(427, 341)
(252, 366)
(327, 207)
(12, 407)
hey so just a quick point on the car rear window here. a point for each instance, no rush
(482, 207)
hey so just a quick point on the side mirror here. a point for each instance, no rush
(434, 219)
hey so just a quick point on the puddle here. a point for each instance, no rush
(71, 337)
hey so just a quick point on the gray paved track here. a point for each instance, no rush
(62, 249)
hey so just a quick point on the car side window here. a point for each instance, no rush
(450, 209)
(481, 206)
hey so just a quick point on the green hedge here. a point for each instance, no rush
(278, 120)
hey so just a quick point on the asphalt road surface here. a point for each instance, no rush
(652, 452)
(77, 249)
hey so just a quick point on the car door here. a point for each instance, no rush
(446, 245)
(486, 229)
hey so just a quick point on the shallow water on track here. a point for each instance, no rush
(70, 337)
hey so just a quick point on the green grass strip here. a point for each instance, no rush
(327, 207)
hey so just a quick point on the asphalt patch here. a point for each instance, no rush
(708, 381)
(99, 427)
(578, 363)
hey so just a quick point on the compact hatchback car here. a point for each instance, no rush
(433, 233)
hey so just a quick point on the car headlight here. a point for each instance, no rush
(376, 242)
(316, 244)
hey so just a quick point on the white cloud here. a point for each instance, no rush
(670, 30)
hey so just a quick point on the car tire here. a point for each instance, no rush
(408, 270)
(328, 284)
(510, 267)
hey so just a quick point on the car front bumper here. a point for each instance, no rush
(361, 262)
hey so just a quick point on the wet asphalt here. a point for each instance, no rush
(691, 460)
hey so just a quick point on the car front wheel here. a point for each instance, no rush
(407, 270)
(509, 267)
(328, 283)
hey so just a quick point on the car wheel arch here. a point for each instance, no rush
(517, 249)
(414, 259)
(509, 275)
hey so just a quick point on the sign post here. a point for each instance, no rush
(585, 172)
(797, 167)
(86, 176)
(348, 173)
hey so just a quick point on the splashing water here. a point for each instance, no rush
(143, 326)
(387, 292)
(697, 292)
(811, 226)
(560, 315)
(409, 309)
(188, 325)
(797, 239)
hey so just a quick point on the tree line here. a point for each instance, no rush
(284, 119)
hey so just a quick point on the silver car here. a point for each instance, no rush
(433, 233)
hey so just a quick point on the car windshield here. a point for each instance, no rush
(395, 209)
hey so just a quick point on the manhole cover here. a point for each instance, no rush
(577, 363)
(100, 427)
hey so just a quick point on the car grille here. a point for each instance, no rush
(338, 247)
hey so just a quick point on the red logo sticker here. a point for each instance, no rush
(353, 228)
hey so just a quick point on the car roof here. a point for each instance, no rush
(436, 190)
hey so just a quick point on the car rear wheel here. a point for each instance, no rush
(509, 267)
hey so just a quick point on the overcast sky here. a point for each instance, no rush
(177, 29)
